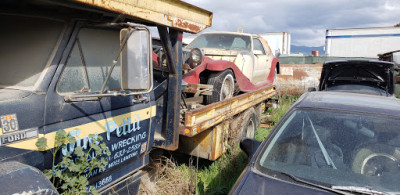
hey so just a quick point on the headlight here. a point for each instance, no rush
(196, 56)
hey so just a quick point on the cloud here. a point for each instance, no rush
(306, 20)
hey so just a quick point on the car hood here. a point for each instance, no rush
(375, 74)
(254, 183)
(221, 54)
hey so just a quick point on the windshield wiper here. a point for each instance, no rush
(313, 184)
(357, 189)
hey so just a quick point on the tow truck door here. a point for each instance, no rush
(123, 122)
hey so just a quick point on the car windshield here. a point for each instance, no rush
(222, 41)
(336, 148)
(28, 45)
(358, 89)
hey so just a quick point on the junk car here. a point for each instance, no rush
(231, 63)
(328, 142)
(368, 77)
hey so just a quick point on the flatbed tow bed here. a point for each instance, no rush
(204, 130)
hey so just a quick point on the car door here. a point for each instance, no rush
(262, 62)
(123, 122)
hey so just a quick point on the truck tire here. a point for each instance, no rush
(224, 86)
(249, 124)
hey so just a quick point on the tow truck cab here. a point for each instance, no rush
(82, 67)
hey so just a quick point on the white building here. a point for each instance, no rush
(361, 42)
(279, 42)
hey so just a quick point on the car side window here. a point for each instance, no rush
(258, 46)
(90, 61)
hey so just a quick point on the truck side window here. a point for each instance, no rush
(90, 61)
(258, 46)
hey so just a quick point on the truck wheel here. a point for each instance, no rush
(249, 124)
(224, 86)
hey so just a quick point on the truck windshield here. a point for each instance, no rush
(26, 47)
(222, 41)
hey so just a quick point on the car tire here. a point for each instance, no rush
(223, 86)
(249, 124)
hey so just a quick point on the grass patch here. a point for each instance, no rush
(274, 115)
(220, 175)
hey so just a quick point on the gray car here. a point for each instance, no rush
(328, 142)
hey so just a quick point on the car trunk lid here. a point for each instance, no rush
(374, 74)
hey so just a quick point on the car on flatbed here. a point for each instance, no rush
(328, 143)
(230, 62)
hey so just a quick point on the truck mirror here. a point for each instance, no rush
(136, 60)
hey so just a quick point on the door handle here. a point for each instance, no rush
(142, 98)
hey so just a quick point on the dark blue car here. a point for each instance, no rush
(328, 142)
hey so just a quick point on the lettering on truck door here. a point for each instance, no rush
(123, 124)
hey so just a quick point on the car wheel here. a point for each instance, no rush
(248, 125)
(223, 86)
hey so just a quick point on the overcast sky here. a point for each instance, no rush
(306, 20)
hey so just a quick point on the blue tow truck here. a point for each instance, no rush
(85, 66)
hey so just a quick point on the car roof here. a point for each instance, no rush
(350, 102)
(232, 33)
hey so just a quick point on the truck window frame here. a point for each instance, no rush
(71, 45)
(256, 39)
